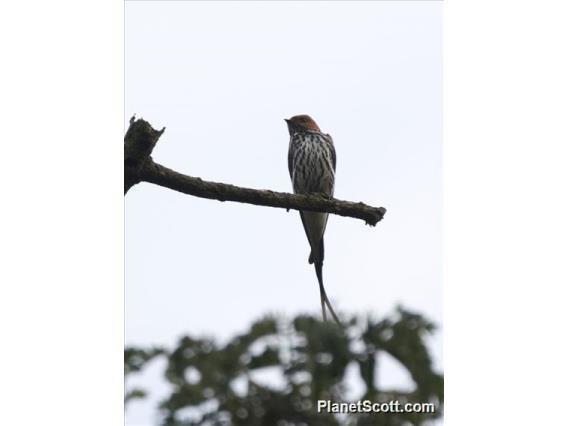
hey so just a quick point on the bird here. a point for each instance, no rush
(311, 163)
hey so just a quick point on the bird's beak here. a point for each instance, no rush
(286, 120)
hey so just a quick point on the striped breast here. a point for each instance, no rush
(311, 162)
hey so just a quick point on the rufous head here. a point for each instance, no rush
(300, 123)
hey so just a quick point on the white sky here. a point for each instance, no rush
(222, 77)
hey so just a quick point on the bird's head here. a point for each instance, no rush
(300, 123)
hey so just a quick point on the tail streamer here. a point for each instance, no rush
(324, 299)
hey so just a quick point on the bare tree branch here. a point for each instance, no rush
(140, 140)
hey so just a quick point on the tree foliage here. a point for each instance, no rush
(220, 384)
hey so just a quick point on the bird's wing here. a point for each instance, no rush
(290, 160)
(332, 149)
(333, 157)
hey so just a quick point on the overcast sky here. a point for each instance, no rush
(221, 77)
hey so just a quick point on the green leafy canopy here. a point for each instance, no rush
(309, 356)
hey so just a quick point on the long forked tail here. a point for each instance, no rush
(324, 300)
